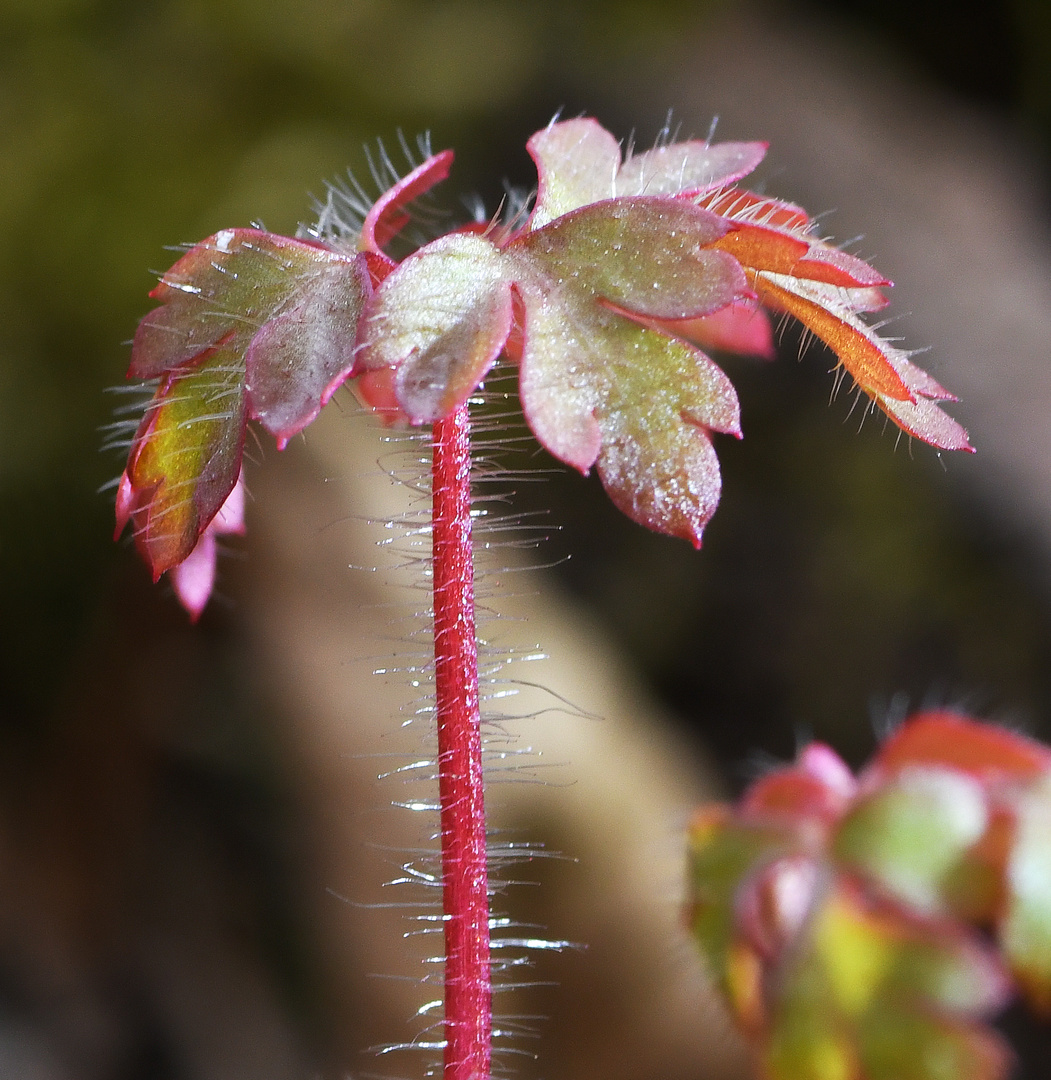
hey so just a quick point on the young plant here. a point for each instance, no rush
(603, 293)
(864, 928)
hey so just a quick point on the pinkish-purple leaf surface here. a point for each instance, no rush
(741, 327)
(613, 274)
(579, 162)
(597, 386)
(602, 296)
(441, 321)
(194, 578)
(252, 325)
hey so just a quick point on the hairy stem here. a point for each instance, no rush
(468, 992)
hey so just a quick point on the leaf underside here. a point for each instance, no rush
(251, 325)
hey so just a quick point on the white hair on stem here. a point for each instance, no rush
(404, 544)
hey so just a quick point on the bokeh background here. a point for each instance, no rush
(158, 841)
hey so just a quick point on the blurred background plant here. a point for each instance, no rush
(141, 758)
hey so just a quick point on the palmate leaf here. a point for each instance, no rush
(597, 386)
(826, 289)
(1003, 876)
(252, 325)
(578, 162)
(605, 295)
(790, 269)
(600, 295)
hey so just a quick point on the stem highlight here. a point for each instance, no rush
(465, 884)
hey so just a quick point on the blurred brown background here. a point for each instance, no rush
(175, 801)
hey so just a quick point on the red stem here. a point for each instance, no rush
(468, 993)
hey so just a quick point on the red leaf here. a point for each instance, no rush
(388, 217)
(740, 327)
(857, 347)
(740, 205)
(194, 578)
(818, 787)
(982, 750)
(578, 163)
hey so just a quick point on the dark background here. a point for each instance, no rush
(843, 580)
